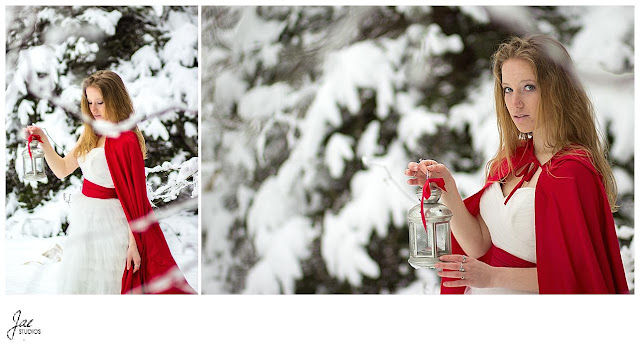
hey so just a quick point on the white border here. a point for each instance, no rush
(319, 322)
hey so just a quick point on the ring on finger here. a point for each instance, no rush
(464, 258)
(461, 268)
(462, 277)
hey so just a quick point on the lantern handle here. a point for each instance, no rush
(388, 179)
(427, 170)
(427, 174)
(51, 138)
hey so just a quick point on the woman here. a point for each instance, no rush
(100, 241)
(550, 163)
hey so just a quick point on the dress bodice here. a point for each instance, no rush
(95, 169)
(512, 226)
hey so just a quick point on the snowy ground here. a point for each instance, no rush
(28, 271)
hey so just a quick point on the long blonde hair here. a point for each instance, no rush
(565, 112)
(118, 107)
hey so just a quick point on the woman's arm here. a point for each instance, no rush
(524, 279)
(470, 231)
(132, 240)
(480, 275)
(61, 167)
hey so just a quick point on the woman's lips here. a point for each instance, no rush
(521, 116)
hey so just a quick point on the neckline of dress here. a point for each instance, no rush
(499, 190)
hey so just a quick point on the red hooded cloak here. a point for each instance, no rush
(158, 273)
(577, 250)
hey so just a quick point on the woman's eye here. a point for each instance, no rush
(529, 87)
(507, 89)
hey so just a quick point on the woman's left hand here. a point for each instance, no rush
(475, 274)
(133, 257)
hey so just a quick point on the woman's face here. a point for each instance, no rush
(521, 93)
(96, 103)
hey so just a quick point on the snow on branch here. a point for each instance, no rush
(186, 177)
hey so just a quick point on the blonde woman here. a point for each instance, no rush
(543, 221)
(102, 254)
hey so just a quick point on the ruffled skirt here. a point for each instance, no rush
(94, 255)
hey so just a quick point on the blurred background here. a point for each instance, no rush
(49, 51)
(305, 107)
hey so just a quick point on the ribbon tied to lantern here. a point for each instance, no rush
(32, 137)
(440, 183)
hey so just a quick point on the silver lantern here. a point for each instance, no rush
(426, 246)
(33, 164)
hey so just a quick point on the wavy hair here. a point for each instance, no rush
(118, 107)
(565, 112)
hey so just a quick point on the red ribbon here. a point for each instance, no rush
(527, 174)
(440, 183)
(32, 137)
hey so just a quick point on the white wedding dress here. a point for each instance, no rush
(511, 226)
(94, 255)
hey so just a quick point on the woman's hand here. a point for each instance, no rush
(436, 170)
(476, 273)
(34, 130)
(133, 257)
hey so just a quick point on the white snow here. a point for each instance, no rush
(263, 102)
(107, 21)
(145, 61)
(29, 272)
(155, 129)
(339, 149)
(368, 145)
(229, 89)
(416, 123)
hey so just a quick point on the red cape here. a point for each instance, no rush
(126, 165)
(577, 250)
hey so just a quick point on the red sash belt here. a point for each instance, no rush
(92, 190)
(501, 258)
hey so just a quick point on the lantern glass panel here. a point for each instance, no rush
(425, 242)
(442, 230)
(39, 165)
